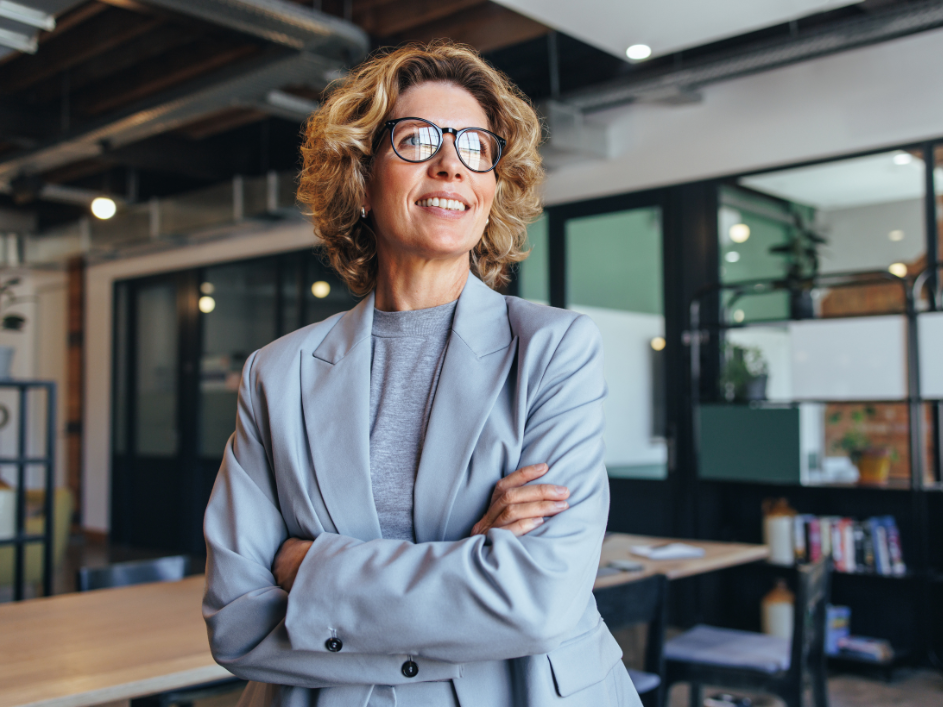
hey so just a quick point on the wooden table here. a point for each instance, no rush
(83, 649)
(717, 556)
(75, 650)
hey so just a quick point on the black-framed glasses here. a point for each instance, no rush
(418, 140)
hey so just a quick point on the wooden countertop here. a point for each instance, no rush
(74, 650)
(717, 556)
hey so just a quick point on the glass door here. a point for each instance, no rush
(614, 275)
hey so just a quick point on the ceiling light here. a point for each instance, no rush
(739, 316)
(206, 304)
(207, 288)
(320, 289)
(732, 257)
(896, 235)
(103, 207)
(903, 158)
(898, 269)
(739, 232)
(638, 52)
(658, 343)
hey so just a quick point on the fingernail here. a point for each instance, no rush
(542, 467)
(560, 490)
(561, 505)
(535, 522)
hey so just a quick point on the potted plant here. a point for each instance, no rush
(873, 462)
(745, 373)
(9, 321)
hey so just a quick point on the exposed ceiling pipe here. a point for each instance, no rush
(327, 46)
(280, 22)
(888, 24)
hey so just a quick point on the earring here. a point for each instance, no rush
(363, 212)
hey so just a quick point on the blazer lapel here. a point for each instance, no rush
(477, 362)
(335, 396)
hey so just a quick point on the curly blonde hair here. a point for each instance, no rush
(341, 135)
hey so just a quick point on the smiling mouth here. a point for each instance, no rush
(448, 204)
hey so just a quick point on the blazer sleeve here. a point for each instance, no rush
(243, 607)
(479, 598)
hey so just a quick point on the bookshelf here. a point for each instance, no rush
(894, 607)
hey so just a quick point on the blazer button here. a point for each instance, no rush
(333, 644)
(410, 669)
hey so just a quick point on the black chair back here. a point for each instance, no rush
(640, 601)
(124, 574)
(808, 633)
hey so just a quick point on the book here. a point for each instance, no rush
(837, 627)
(876, 650)
(893, 543)
(815, 539)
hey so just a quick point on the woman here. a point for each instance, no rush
(373, 536)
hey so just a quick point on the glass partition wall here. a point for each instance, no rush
(818, 323)
(181, 340)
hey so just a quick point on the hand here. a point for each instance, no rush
(288, 560)
(520, 508)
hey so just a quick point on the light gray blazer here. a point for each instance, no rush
(511, 621)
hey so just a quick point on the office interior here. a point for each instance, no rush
(750, 212)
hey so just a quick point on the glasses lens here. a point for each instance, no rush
(415, 140)
(478, 149)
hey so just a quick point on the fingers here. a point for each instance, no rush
(523, 527)
(521, 476)
(524, 511)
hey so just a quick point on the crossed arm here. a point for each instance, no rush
(515, 587)
(515, 506)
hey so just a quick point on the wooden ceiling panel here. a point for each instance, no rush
(158, 74)
(220, 122)
(161, 40)
(486, 27)
(391, 18)
(99, 34)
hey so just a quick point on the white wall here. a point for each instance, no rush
(869, 98)
(247, 242)
(40, 353)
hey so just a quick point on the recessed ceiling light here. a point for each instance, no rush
(898, 269)
(739, 232)
(103, 207)
(903, 158)
(207, 288)
(206, 304)
(739, 316)
(658, 343)
(732, 257)
(896, 235)
(638, 52)
(321, 289)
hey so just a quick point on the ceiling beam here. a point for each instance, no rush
(393, 18)
(109, 30)
(486, 27)
(221, 122)
(148, 78)
(163, 39)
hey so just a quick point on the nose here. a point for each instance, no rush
(446, 163)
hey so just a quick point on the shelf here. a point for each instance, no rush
(835, 573)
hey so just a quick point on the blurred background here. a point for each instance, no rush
(743, 195)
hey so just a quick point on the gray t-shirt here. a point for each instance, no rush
(408, 350)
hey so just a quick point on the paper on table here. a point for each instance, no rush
(671, 551)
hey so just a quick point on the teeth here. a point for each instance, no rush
(450, 204)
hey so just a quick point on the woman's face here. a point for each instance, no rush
(398, 191)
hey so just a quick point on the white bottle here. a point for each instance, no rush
(778, 611)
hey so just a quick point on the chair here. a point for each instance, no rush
(641, 601)
(755, 661)
(162, 569)
(124, 574)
